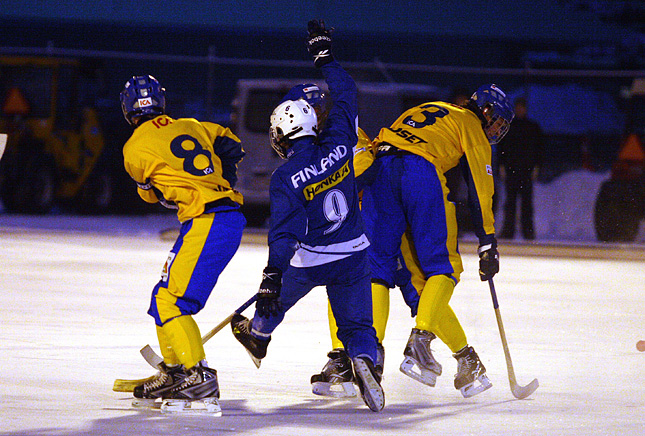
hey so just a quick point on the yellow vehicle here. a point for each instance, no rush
(54, 141)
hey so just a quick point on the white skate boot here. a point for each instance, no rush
(419, 363)
(471, 377)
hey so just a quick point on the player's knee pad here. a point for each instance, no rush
(163, 306)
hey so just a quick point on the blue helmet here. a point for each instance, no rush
(309, 92)
(142, 95)
(496, 109)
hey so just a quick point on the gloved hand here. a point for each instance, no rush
(319, 43)
(268, 303)
(488, 261)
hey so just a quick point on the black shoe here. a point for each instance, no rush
(337, 378)
(471, 376)
(257, 348)
(200, 382)
(197, 393)
(418, 362)
(159, 387)
(338, 368)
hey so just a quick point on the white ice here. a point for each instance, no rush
(74, 318)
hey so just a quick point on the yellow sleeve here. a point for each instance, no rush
(144, 187)
(364, 154)
(478, 153)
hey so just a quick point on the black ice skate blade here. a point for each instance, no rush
(146, 403)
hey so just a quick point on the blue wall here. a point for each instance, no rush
(515, 19)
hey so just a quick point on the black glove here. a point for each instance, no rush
(319, 43)
(488, 261)
(268, 303)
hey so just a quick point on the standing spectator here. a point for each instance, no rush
(520, 155)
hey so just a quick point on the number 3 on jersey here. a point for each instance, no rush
(430, 117)
(197, 160)
(335, 209)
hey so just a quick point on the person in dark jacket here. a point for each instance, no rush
(520, 155)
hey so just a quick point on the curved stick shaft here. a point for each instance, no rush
(518, 391)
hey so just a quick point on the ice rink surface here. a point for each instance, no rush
(74, 318)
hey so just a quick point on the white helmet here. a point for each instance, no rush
(290, 120)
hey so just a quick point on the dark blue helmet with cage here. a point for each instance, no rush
(496, 109)
(141, 96)
(309, 92)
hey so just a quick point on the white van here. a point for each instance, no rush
(379, 104)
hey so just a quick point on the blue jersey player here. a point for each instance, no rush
(336, 378)
(316, 237)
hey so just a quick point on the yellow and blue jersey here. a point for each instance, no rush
(443, 134)
(184, 164)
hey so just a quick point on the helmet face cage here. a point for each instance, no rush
(142, 95)
(278, 143)
(291, 120)
(497, 109)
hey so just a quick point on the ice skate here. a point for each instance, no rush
(419, 363)
(197, 393)
(369, 383)
(380, 360)
(471, 377)
(149, 393)
(257, 348)
(336, 379)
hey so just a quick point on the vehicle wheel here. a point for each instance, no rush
(614, 217)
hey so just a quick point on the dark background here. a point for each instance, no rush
(575, 60)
